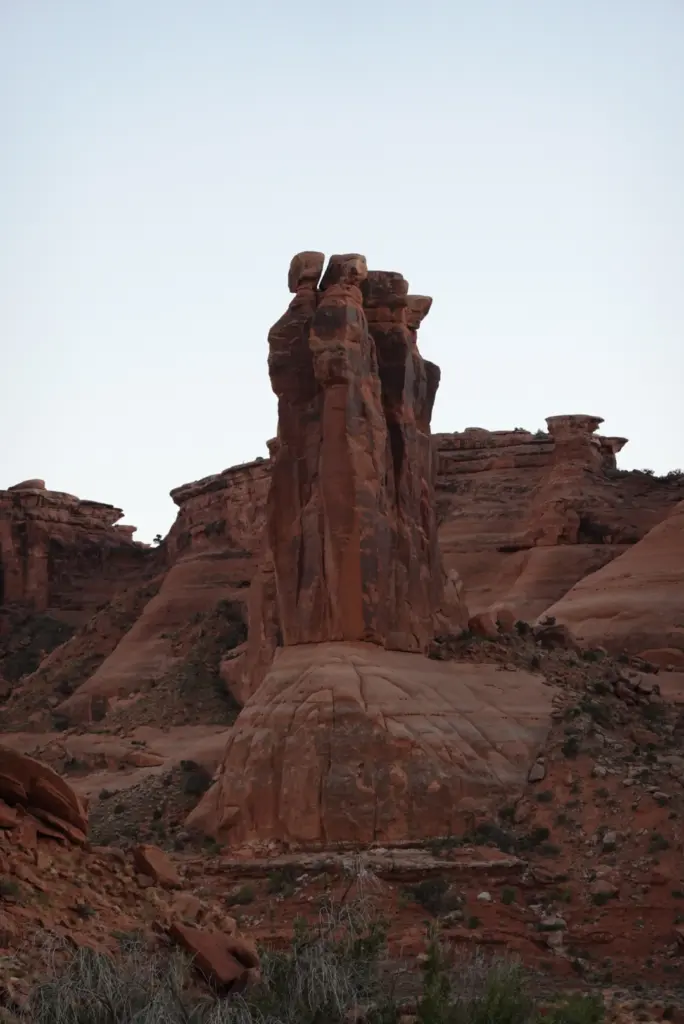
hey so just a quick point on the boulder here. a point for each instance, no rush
(27, 783)
(213, 956)
(484, 625)
(150, 860)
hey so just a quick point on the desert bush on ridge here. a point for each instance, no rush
(333, 973)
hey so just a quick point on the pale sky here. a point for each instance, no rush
(522, 161)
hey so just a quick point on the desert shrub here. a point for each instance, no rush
(91, 988)
(577, 1009)
(473, 990)
(490, 832)
(433, 894)
(282, 881)
(330, 971)
(571, 747)
(196, 779)
(9, 889)
(31, 638)
(241, 896)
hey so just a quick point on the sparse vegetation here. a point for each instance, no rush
(434, 895)
(32, 637)
(332, 973)
(281, 882)
(571, 747)
(488, 832)
(657, 843)
(240, 897)
(84, 910)
(220, 631)
(196, 779)
(598, 712)
(9, 889)
(534, 838)
(653, 713)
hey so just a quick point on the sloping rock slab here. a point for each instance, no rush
(38, 788)
(351, 743)
(635, 602)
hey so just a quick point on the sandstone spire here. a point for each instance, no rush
(351, 521)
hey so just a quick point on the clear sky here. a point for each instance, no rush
(520, 160)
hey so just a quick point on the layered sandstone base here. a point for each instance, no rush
(351, 743)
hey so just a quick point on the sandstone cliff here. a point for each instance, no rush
(524, 516)
(61, 554)
(636, 603)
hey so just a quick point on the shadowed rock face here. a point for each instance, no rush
(351, 522)
(62, 555)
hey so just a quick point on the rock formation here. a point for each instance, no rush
(211, 549)
(636, 602)
(351, 526)
(344, 740)
(224, 512)
(29, 789)
(524, 516)
(62, 555)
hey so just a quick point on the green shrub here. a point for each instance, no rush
(578, 1009)
(240, 897)
(433, 895)
(282, 881)
(571, 747)
(9, 889)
